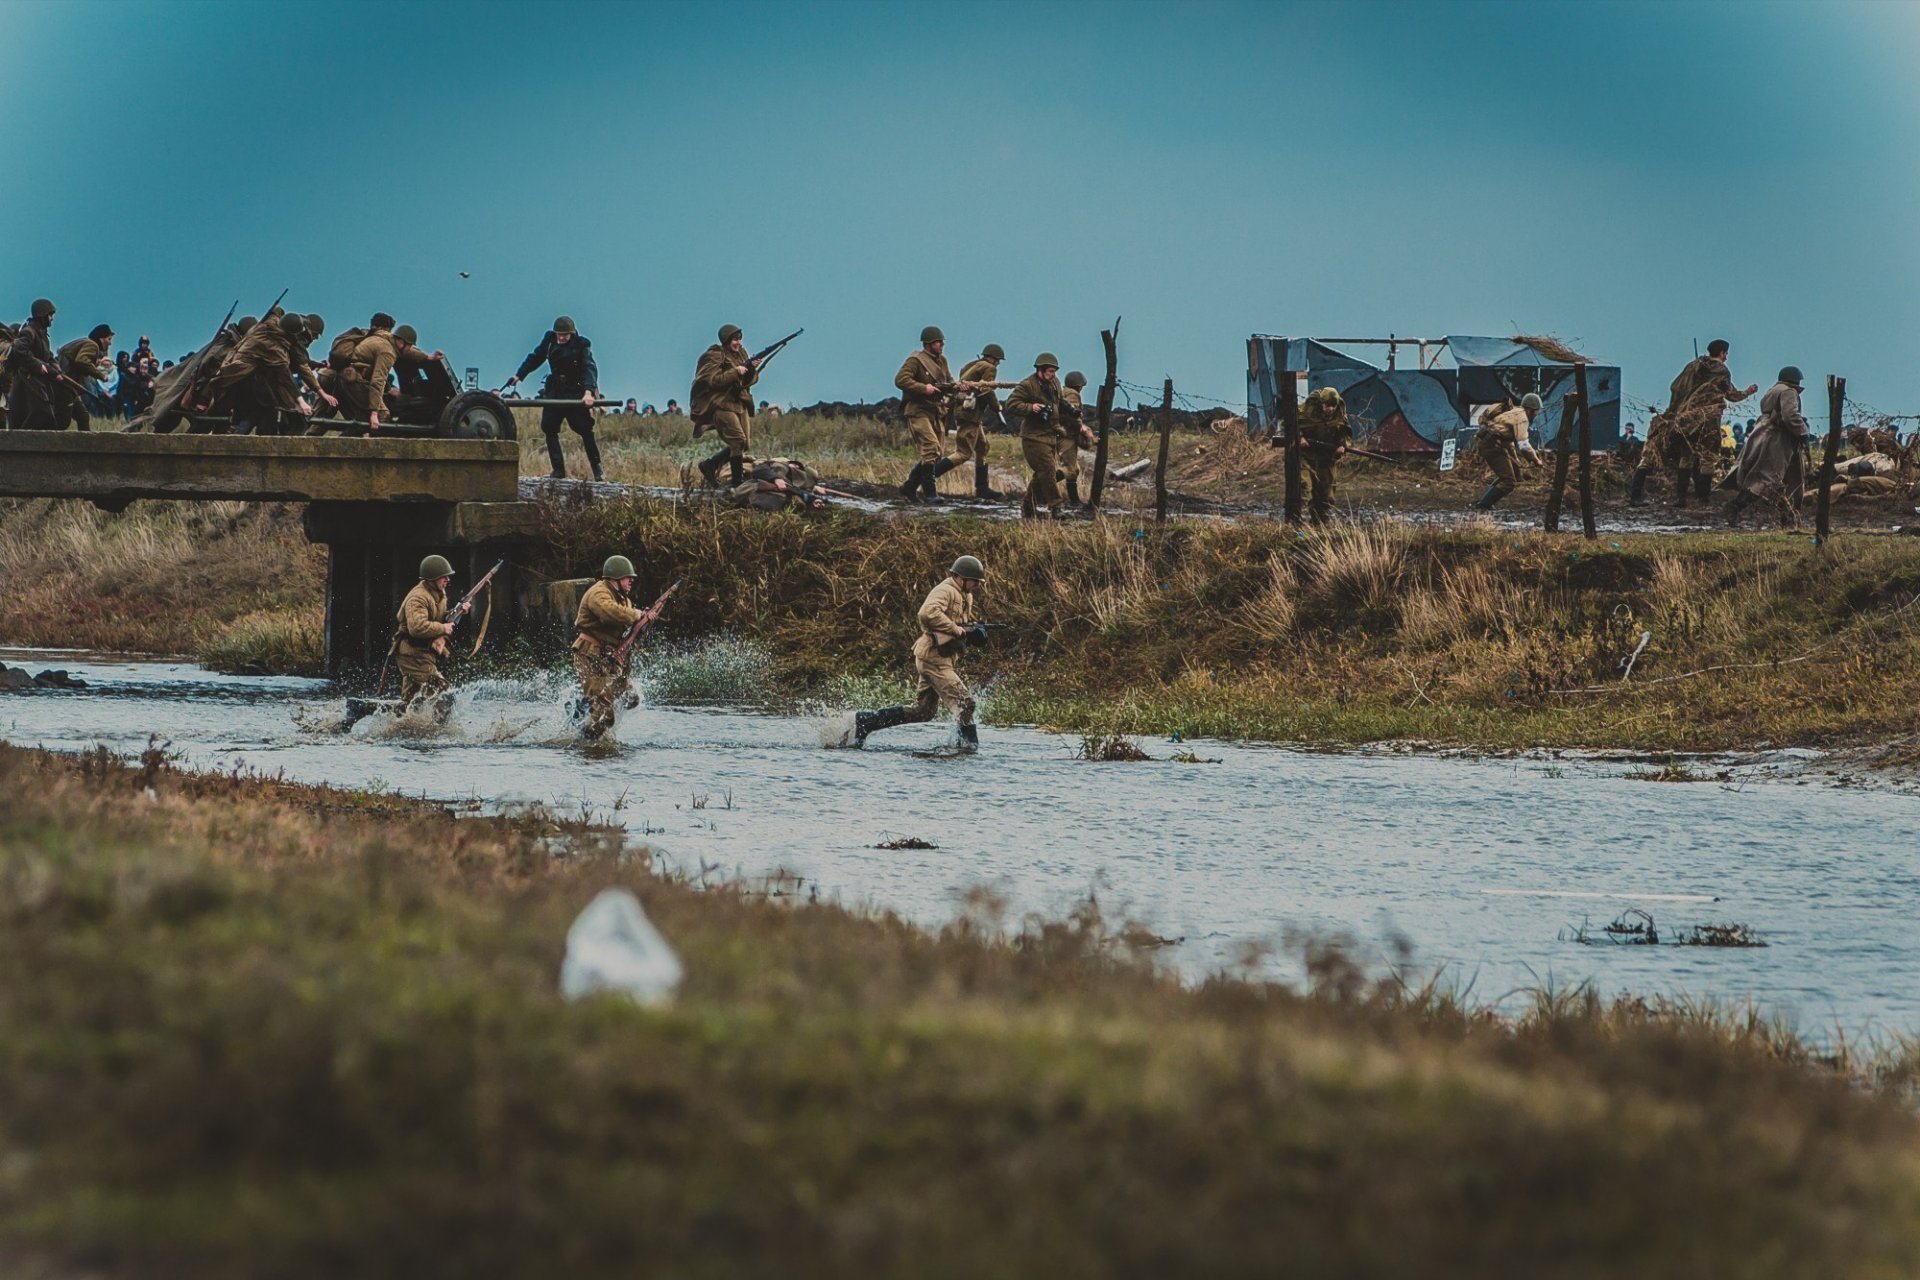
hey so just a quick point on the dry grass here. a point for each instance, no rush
(250, 1029)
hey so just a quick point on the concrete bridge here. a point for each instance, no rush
(377, 505)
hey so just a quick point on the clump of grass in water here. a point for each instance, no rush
(724, 669)
(285, 642)
(1109, 746)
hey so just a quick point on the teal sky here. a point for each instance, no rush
(1630, 177)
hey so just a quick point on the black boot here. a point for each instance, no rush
(1486, 500)
(710, 467)
(980, 489)
(1702, 485)
(736, 469)
(915, 478)
(1680, 479)
(866, 722)
(1637, 488)
(557, 458)
(970, 735)
(939, 468)
(1741, 501)
(1073, 492)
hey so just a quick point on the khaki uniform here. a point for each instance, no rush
(1503, 430)
(1324, 429)
(602, 620)
(758, 490)
(255, 383)
(722, 400)
(79, 360)
(926, 415)
(1036, 405)
(30, 393)
(970, 414)
(1772, 466)
(944, 617)
(363, 383)
(418, 630)
(1069, 455)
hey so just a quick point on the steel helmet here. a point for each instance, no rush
(1790, 375)
(43, 308)
(435, 567)
(993, 351)
(315, 325)
(931, 334)
(564, 324)
(1324, 394)
(245, 323)
(728, 332)
(1046, 360)
(405, 333)
(1530, 402)
(969, 567)
(1076, 379)
(294, 323)
(617, 567)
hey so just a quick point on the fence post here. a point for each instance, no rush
(1561, 443)
(1836, 397)
(1288, 384)
(1586, 453)
(1108, 337)
(1166, 442)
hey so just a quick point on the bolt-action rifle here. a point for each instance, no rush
(618, 656)
(462, 606)
(758, 360)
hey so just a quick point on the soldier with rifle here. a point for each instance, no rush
(34, 372)
(571, 375)
(975, 409)
(722, 398)
(947, 626)
(609, 625)
(926, 388)
(1046, 423)
(80, 360)
(177, 390)
(1325, 436)
(256, 382)
(420, 638)
(1074, 420)
(1501, 441)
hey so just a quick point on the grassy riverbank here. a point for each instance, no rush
(249, 1028)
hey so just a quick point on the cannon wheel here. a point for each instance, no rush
(476, 415)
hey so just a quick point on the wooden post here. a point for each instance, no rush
(1166, 442)
(1836, 397)
(1561, 444)
(1108, 337)
(1289, 389)
(1586, 453)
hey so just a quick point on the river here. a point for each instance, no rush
(1484, 867)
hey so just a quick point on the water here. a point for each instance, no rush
(1482, 865)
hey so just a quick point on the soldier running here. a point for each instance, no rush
(974, 410)
(1773, 463)
(420, 638)
(722, 399)
(1501, 441)
(1325, 434)
(946, 626)
(1045, 421)
(605, 614)
(1072, 385)
(256, 382)
(81, 360)
(1687, 436)
(33, 371)
(571, 375)
(926, 386)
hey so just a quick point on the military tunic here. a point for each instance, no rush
(944, 617)
(1324, 431)
(79, 360)
(603, 619)
(256, 381)
(1773, 462)
(722, 399)
(363, 383)
(926, 414)
(975, 409)
(1071, 420)
(420, 638)
(1503, 429)
(30, 395)
(1036, 406)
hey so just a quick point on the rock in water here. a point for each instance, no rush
(58, 679)
(14, 678)
(612, 946)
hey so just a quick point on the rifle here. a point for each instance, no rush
(759, 359)
(1351, 448)
(459, 608)
(616, 658)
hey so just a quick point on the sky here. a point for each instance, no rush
(1628, 177)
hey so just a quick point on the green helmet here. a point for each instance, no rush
(1076, 379)
(245, 323)
(435, 567)
(405, 333)
(1046, 360)
(617, 567)
(315, 325)
(294, 323)
(993, 351)
(1790, 375)
(43, 308)
(564, 324)
(728, 332)
(1324, 394)
(1530, 402)
(931, 334)
(968, 567)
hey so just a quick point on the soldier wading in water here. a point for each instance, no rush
(420, 638)
(946, 626)
(605, 615)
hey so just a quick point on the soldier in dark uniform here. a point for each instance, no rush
(34, 372)
(571, 375)
(81, 360)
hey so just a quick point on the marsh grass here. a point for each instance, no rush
(253, 1028)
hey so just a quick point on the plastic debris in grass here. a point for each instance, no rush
(612, 946)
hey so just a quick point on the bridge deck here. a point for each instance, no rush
(112, 467)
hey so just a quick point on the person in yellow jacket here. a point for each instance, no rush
(420, 637)
(947, 625)
(606, 613)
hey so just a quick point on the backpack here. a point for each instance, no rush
(341, 352)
